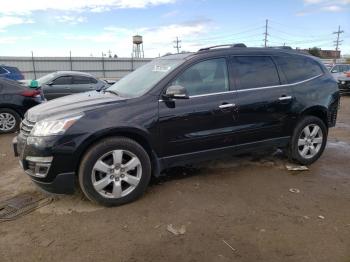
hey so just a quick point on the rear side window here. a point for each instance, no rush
(254, 72)
(298, 68)
(83, 80)
(63, 80)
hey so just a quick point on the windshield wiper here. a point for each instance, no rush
(112, 92)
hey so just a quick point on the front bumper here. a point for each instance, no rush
(43, 166)
(344, 86)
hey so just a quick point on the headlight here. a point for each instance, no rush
(53, 127)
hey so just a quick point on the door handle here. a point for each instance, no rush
(223, 106)
(283, 98)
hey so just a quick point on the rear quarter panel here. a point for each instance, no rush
(321, 93)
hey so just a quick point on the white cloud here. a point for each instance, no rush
(26, 6)
(314, 6)
(72, 20)
(332, 8)
(6, 21)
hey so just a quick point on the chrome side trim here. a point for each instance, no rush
(251, 89)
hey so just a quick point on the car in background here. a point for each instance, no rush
(341, 72)
(10, 72)
(63, 83)
(338, 70)
(344, 83)
(15, 100)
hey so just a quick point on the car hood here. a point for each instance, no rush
(71, 105)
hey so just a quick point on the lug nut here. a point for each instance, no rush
(116, 179)
(111, 177)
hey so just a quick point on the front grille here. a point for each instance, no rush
(26, 127)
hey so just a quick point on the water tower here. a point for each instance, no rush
(137, 48)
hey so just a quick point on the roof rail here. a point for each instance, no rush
(222, 46)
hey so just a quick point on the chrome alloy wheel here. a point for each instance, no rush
(310, 141)
(116, 174)
(7, 122)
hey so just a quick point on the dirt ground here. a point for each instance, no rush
(234, 209)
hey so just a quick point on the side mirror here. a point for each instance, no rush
(176, 92)
(34, 84)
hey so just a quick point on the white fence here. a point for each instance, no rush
(109, 68)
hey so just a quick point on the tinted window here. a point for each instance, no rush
(344, 68)
(63, 80)
(298, 68)
(2, 71)
(205, 77)
(83, 80)
(336, 69)
(254, 71)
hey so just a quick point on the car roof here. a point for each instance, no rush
(73, 73)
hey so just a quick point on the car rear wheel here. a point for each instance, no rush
(115, 171)
(308, 141)
(9, 121)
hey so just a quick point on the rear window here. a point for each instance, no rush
(298, 68)
(13, 69)
(254, 71)
(83, 80)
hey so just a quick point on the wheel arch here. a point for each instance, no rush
(140, 136)
(317, 111)
(13, 108)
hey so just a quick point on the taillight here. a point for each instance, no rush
(30, 93)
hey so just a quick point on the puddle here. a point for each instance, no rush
(342, 125)
(339, 145)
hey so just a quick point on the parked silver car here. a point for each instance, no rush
(64, 83)
(338, 70)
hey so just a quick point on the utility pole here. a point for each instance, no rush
(177, 44)
(337, 42)
(266, 33)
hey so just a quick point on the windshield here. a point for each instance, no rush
(329, 67)
(144, 78)
(44, 79)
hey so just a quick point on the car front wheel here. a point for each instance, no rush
(9, 121)
(115, 171)
(309, 140)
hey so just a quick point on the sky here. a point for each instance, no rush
(96, 27)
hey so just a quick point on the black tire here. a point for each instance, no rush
(100, 149)
(294, 153)
(16, 117)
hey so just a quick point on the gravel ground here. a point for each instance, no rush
(233, 209)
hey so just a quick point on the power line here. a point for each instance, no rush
(177, 44)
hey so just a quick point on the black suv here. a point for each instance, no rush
(175, 110)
